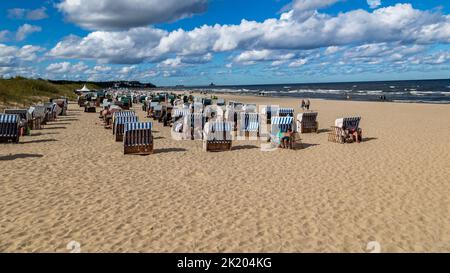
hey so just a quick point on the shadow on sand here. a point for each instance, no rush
(43, 134)
(39, 141)
(244, 147)
(54, 128)
(306, 145)
(320, 131)
(169, 150)
(19, 156)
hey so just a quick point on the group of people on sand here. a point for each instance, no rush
(305, 104)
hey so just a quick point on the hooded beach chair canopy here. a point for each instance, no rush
(9, 125)
(286, 112)
(218, 130)
(348, 123)
(180, 112)
(133, 126)
(249, 122)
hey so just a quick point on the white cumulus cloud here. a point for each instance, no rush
(113, 14)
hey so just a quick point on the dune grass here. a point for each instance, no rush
(22, 92)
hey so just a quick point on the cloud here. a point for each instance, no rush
(11, 56)
(16, 13)
(332, 50)
(253, 56)
(4, 35)
(127, 69)
(67, 68)
(387, 34)
(171, 63)
(25, 30)
(373, 4)
(59, 68)
(35, 14)
(112, 14)
(298, 63)
(120, 47)
(100, 68)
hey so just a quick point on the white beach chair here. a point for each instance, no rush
(217, 136)
(346, 130)
(307, 122)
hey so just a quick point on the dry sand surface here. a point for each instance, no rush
(71, 181)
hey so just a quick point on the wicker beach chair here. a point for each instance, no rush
(61, 106)
(39, 114)
(249, 125)
(51, 111)
(307, 122)
(36, 120)
(157, 112)
(25, 119)
(120, 114)
(120, 123)
(90, 107)
(138, 138)
(286, 112)
(232, 114)
(9, 128)
(151, 108)
(217, 136)
(193, 126)
(268, 111)
(346, 130)
(283, 124)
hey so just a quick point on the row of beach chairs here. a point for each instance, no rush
(217, 134)
(15, 123)
(136, 136)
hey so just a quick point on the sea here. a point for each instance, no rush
(417, 91)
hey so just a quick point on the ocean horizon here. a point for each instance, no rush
(417, 91)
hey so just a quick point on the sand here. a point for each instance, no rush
(71, 182)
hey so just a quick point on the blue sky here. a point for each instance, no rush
(195, 42)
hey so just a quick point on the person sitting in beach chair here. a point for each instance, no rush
(283, 134)
(346, 130)
(286, 139)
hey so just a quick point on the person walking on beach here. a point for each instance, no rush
(303, 105)
(307, 104)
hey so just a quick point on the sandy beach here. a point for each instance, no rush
(71, 182)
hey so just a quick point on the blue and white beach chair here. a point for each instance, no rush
(249, 125)
(281, 125)
(286, 112)
(119, 125)
(9, 128)
(346, 130)
(217, 136)
(121, 114)
(138, 138)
